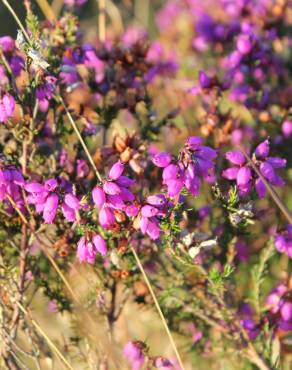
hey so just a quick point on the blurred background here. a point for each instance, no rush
(139, 12)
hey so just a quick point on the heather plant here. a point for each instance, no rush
(145, 187)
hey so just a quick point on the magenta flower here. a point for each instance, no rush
(283, 241)
(287, 128)
(70, 207)
(280, 307)
(150, 213)
(88, 246)
(246, 177)
(50, 208)
(11, 182)
(113, 195)
(162, 363)
(7, 105)
(133, 352)
(48, 196)
(116, 171)
(195, 161)
(162, 159)
(82, 168)
(247, 321)
(7, 44)
(45, 92)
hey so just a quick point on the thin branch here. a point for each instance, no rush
(46, 9)
(101, 19)
(80, 139)
(15, 16)
(49, 341)
(158, 308)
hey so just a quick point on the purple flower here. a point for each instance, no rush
(50, 208)
(7, 105)
(88, 246)
(287, 128)
(111, 188)
(162, 363)
(246, 314)
(244, 44)
(45, 92)
(133, 352)
(82, 168)
(11, 182)
(279, 306)
(161, 159)
(245, 176)
(283, 241)
(195, 161)
(7, 44)
(98, 196)
(149, 222)
(106, 217)
(116, 170)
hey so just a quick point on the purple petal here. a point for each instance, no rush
(260, 188)
(51, 184)
(34, 187)
(156, 200)
(162, 159)
(149, 211)
(169, 173)
(267, 171)
(125, 181)
(194, 141)
(72, 201)
(277, 162)
(50, 208)
(111, 188)
(144, 224)
(100, 244)
(126, 195)
(262, 150)
(235, 157)
(174, 187)
(106, 217)
(132, 210)
(230, 173)
(116, 202)
(68, 213)
(98, 196)
(116, 170)
(243, 176)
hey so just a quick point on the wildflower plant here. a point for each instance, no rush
(146, 175)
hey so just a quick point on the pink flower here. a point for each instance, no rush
(87, 248)
(116, 170)
(7, 105)
(98, 196)
(133, 351)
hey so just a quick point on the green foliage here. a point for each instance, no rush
(218, 278)
(258, 274)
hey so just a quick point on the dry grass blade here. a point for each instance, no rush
(48, 340)
(46, 9)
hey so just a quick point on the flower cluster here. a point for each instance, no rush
(194, 161)
(279, 305)
(244, 175)
(47, 197)
(113, 198)
(88, 246)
